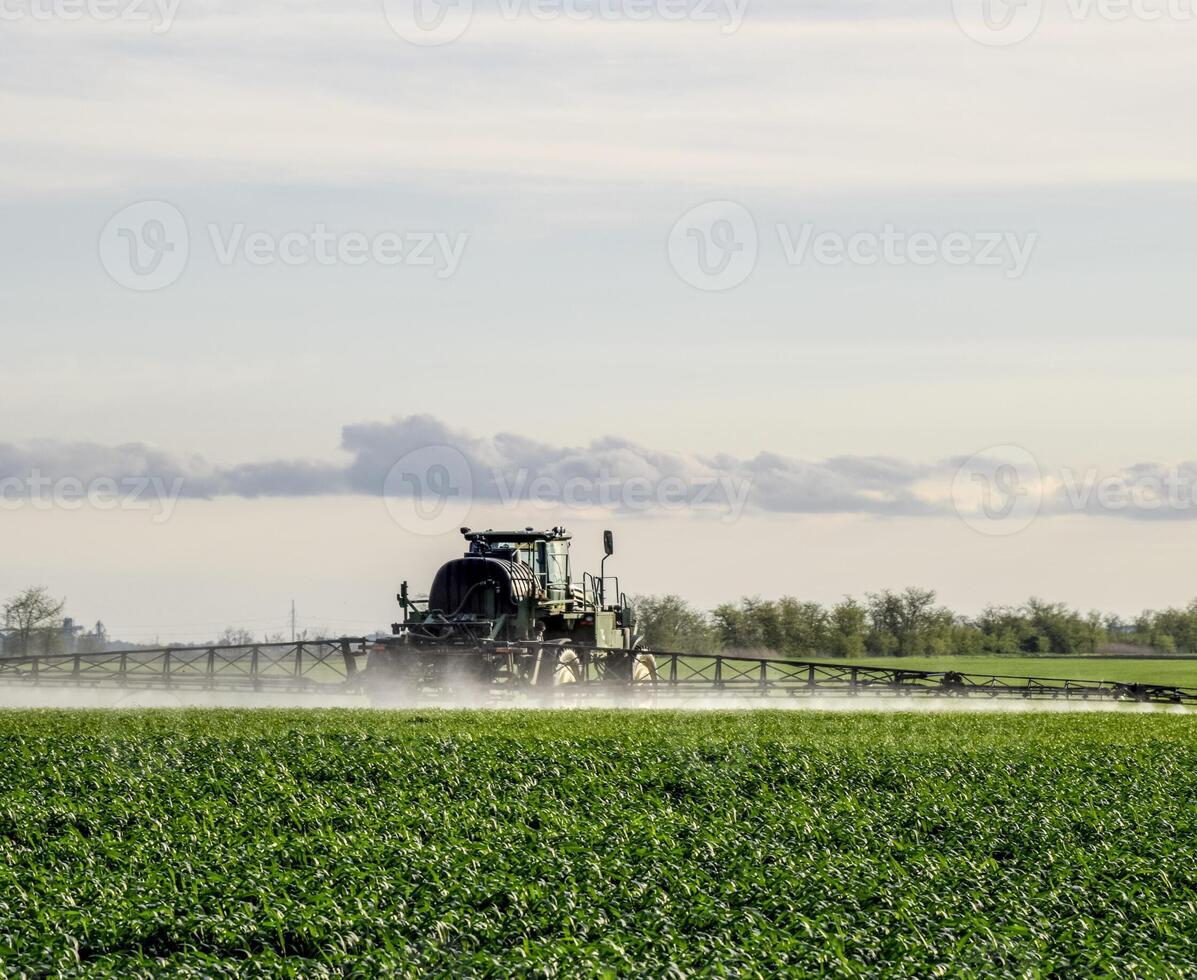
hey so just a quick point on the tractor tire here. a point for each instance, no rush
(644, 679)
(568, 669)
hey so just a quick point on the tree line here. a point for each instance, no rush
(33, 624)
(909, 623)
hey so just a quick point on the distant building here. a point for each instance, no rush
(95, 641)
(70, 634)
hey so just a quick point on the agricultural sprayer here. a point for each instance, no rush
(512, 620)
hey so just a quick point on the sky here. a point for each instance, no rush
(799, 298)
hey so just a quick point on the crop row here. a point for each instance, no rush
(580, 843)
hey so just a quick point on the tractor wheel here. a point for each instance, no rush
(556, 664)
(568, 669)
(561, 686)
(644, 679)
(644, 668)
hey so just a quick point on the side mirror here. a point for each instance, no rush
(608, 543)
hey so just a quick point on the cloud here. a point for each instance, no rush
(411, 454)
(612, 471)
(44, 462)
(843, 484)
(88, 461)
(503, 468)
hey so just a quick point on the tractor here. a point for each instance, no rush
(511, 614)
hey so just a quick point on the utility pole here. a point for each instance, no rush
(292, 620)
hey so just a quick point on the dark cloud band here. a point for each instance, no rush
(508, 467)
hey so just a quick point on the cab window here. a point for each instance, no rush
(558, 563)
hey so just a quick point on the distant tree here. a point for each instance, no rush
(847, 629)
(788, 626)
(1114, 626)
(765, 628)
(1180, 625)
(234, 637)
(908, 623)
(754, 624)
(1058, 629)
(31, 613)
(732, 627)
(670, 623)
(1095, 632)
(966, 640)
(805, 627)
(1005, 630)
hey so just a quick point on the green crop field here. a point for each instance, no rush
(597, 843)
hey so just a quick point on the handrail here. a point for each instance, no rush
(335, 664)
(300, 665)
(855, 677)
(200, 647)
